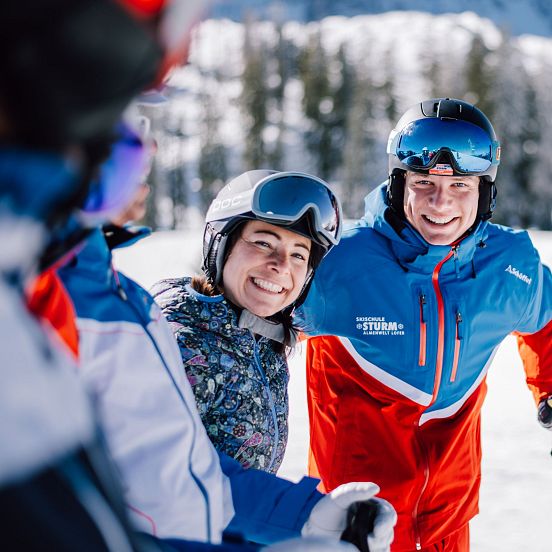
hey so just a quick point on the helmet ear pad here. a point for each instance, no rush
(217, 245)
(487, 199)
(395, 191)
(211, 245)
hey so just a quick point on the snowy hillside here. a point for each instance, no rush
(322, 97)
(516, 488)
(515, 16)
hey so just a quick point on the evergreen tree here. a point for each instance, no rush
(285, 65)
(539, 149)
(479, 75)
(359, 151)
(325, 104)
(212, 169)
(387, 89)
(155, 117)
(313, 70)
(537, 207)
(254, 97)
(342, 98)
(510, 114)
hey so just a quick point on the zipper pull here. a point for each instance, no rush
(457, 341)
(423, 332)
(422, 307)
(456, 261)
(459, 327)
(120, 290)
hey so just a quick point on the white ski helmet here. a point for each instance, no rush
(299, 202)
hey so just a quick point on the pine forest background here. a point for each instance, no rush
(321, 97)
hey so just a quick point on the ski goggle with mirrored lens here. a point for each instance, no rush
(420, 145)
(118, 179)
(286, 197)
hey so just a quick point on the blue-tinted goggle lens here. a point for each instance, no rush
(119, 176)
(470, 147)
(288, 198)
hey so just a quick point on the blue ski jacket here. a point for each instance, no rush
(396, 378)
(177, 485)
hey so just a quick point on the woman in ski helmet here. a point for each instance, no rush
(266, 232)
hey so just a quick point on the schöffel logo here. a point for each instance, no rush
(378, 325)
(519, 275)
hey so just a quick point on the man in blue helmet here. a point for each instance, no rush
(407, 314)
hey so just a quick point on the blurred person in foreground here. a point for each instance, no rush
(176, 485)
(409, 311)
(64, 83)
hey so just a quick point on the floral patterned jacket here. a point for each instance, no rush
(239, 383)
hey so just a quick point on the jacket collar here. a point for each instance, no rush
(239, 318)
(411, 250)
(96, 254)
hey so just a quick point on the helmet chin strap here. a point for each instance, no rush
(261, 326)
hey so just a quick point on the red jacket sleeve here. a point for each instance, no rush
(536, 353)
(48, 300)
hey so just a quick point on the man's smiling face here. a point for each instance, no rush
(441, 208)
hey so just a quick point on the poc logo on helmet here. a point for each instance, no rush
(226, 203)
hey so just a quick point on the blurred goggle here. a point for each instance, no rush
(286, 197)
(421, 144)
(118, 178)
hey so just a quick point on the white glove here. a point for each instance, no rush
(328, 518)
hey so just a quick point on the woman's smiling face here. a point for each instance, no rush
(266, 269)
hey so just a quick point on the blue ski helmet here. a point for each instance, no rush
(448, 137)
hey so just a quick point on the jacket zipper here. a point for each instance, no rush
(436, 381)
(426, 481)
(457, 343)
(441, 325)
(272, 407)
(423, 332)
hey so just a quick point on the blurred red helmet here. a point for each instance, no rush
(172, 21)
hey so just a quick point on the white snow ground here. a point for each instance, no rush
(516, 490)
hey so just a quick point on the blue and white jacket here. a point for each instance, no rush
(395, 300)
(404, 333)
(174, 482)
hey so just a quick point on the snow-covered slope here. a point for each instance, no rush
(516, 490)
(515, 16)
(396, 59)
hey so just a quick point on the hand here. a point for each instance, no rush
(329, 517)
(545, 413)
